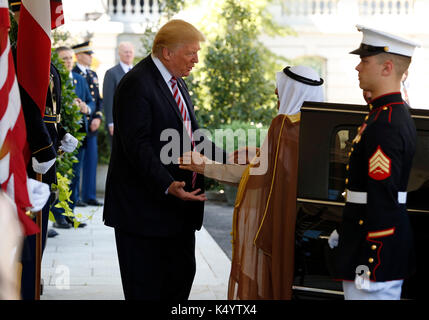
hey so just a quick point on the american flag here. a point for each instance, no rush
(13, 174)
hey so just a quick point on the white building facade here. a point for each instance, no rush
(324, 29)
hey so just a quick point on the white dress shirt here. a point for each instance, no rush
(166, 75)
(81, 67)
(125, 67)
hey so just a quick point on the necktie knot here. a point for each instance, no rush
(173, 80)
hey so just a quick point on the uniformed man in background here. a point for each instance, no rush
(375, 249)
(83, 54)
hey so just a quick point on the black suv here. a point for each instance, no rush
(326, 134)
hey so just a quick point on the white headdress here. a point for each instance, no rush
(296, 85)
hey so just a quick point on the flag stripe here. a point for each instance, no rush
(33, 45)
(40, 10)
(13, 173)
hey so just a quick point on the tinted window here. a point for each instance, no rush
(340, 146)
(418, 185)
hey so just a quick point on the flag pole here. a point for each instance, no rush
(38, 248)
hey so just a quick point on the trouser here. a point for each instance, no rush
(156, 268)
(389, 290)
(89, 169)
(28, 258)
(75, 183)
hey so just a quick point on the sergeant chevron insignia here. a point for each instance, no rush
(379, 165)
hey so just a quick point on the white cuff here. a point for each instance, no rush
(43, 167)
(68, 143)
(38, 193)
(333, 239)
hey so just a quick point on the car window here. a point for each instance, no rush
(340, 145)
(418, 184)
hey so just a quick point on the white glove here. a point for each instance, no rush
(38, 193)
(43, 167)
(333, 239)
(68, 143)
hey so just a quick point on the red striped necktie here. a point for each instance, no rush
(185, 117)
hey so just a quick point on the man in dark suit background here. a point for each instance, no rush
(152, 204)
(111, 81)
(83, 52)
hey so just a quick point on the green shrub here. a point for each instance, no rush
(232, 136)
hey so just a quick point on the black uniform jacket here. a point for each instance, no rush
(93, 85)
(148, 127)
(43, 134)
(378, 235)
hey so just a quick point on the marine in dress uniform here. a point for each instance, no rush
(375, 249)
(90, 159)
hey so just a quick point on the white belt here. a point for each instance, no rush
(361, 197)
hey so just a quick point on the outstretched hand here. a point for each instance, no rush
(176, 189)
(193, 161)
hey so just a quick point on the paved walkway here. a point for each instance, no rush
(82, 264)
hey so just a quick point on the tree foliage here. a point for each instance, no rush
(236, 80)
(168, 9)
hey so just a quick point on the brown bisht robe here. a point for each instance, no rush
(264, 219)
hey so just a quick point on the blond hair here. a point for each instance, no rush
(174, 34)
(401, 63)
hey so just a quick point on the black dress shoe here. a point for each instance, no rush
(52, 233)
(94, 202)
(80, 204)
(61, 224)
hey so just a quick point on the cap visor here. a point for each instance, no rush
(363, 53)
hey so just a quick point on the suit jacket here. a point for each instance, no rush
(110, 82)
(82, 91)
(137, 180)
(93, 85)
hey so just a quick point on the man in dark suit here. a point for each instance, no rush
(154, 206)
(83, 54)
(85, 102)
(111, 81)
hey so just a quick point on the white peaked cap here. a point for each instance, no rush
(376, 41)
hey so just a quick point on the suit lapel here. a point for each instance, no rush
(172, 102)
(165, 90)
(119, 70)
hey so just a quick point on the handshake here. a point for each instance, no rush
(196, 162)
